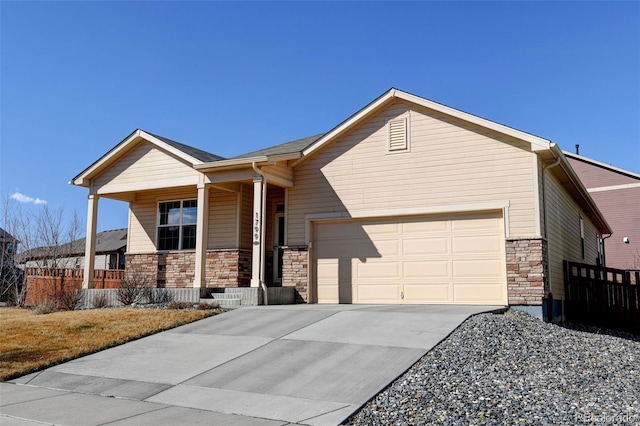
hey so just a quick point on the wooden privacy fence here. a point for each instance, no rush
(604, 297)
(48, 283)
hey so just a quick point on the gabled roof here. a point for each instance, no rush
(199, 154)
(5, 236)
(393, 93)
(190, 155)
(106, 242)
(602, 165)
(297, 145)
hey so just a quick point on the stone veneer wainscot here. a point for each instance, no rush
(295, 271)
(527, 276)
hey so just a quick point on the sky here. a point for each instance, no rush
(78, 77)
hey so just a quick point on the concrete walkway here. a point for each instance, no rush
(275, 365)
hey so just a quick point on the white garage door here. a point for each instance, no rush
(427, 259)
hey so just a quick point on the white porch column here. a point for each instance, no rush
(256, 231)
(202, 232)
(90, 241)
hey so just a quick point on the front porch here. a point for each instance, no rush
(196, 220)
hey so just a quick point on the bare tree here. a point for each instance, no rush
(45, 239)
(12, 289)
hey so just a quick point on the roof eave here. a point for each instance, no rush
(601, 164)
(585, 200)
(239, 163)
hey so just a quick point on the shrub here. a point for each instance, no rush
(47, 306)
(180, 304)
(203, 306)
(100, 301)
(158, 295)
(132, 289)
(68, 300)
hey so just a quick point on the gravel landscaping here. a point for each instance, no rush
(516, 369)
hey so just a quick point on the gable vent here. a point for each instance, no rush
(398, 134)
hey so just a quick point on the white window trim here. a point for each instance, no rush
(180, 226)
(407, 122)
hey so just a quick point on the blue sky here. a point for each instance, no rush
(78, 77)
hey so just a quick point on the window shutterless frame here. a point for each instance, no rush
(176, 225)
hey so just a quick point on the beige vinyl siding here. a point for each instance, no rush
(144, 163)
(246, 241)
(223, 210)
(143, 215)
(540, 194)
(563, 233)
(449, 163)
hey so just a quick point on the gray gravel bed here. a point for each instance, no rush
(515, 369)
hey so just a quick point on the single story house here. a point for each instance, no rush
(110, 248)
(617, 194)
(406, 201)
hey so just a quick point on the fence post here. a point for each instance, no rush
(567, 290)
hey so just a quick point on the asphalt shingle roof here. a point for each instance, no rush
(107, 241)
(283, 148)
(196, 153)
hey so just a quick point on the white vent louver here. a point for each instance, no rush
(398, 134)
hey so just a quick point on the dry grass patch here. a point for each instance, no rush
(30, 342)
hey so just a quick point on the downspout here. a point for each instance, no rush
(262, 231)
(604, 251)
(546, 236)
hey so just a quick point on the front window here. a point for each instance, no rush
(177, 225)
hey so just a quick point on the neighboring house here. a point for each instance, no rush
(8, 247)
(406, 201)
(617, 193)
(110, 248)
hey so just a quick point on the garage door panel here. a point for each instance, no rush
(427, 269)
(425, 246)
(380, 249)
(428, 292)
(478, 268)
(378, 293)
(328, 277)
(332, 230)
(421, 226)
(476, 244)
(375, 229)
(336, 249)
(378, 269)
(478, 293)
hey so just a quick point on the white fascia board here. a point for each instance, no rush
(535, 141)
(601, 164)
(614, 187)
(247, 161)
(232, 163)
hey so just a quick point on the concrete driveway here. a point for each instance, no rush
(275, 365)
